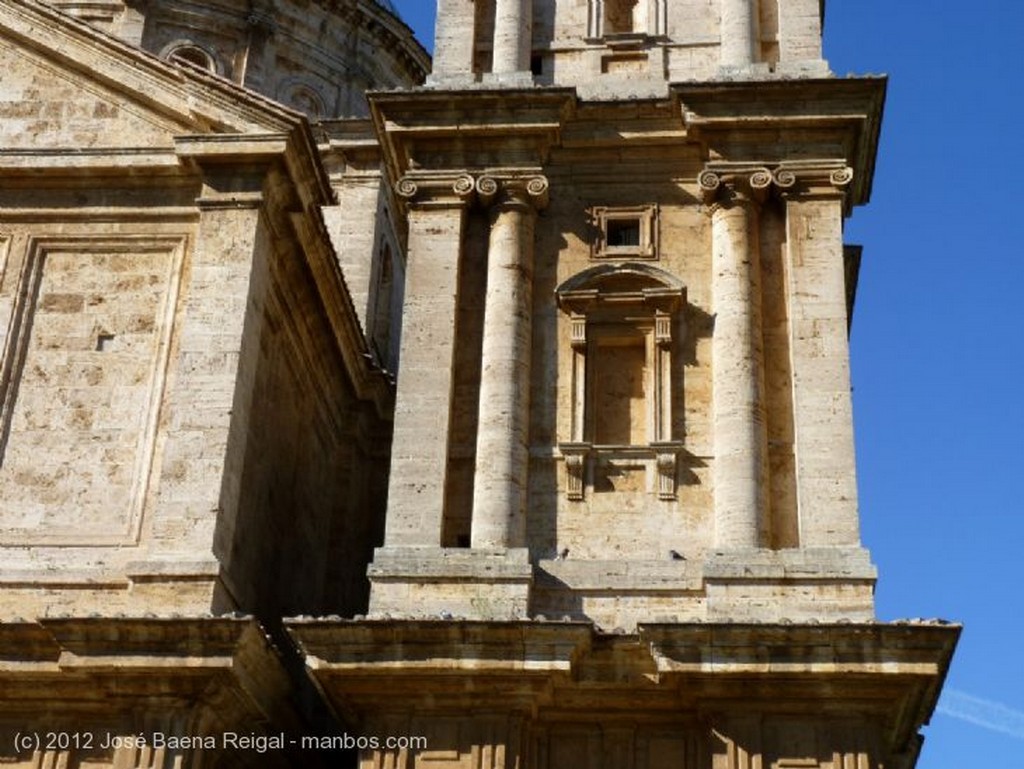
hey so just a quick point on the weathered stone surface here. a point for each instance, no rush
(620, 527)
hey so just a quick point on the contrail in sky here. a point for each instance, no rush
(981, 712)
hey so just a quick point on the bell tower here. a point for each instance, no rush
(622, 523)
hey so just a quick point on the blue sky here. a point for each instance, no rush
(938, 344)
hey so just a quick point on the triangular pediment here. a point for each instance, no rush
(66, 85)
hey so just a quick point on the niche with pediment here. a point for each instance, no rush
(622, 319)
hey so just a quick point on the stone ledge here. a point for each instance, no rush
(159, 570)
(450, 564)
(826, 564)
(620, 576)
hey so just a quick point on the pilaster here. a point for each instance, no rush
(814, 194)
(209, 404)
(437, 206)
(738, 33)
(454, 40)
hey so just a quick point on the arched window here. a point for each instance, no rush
(622, 318)
(192, 54)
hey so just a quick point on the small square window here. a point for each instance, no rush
(625, 232)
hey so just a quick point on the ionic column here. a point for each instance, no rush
(419, 459)
(502, 449)
(739, 33)
(822, 406)
(513, 31)
(740, 438)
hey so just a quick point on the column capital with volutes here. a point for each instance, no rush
(728, 184)
(513, 188)
(724, 183)
(812, 178)
(433, 189)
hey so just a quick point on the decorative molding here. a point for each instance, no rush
(724, 182)
(666, 461)
(605, 218)
(436, 189)
(578, 331)
(729, 182)
(513, 188)
(503, 187)
(432, 188)
(576, 455)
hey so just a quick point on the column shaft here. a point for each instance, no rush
(737, 352)
(502, 451)
(739, 33)
(512, 36)
(419, 460)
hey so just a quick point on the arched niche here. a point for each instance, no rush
(623, 323)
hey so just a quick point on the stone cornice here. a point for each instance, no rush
(238, 171)
(295, 150)
(477, 128)
(836, 117)
(891, 671)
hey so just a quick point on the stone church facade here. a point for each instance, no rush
(504, 407)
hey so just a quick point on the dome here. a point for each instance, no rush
(317, 56)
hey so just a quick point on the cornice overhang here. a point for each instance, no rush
(785, 119)
(469, 129)
(890, 671)
(111, 662)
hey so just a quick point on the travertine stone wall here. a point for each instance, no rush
(89, 353)
(620, 515)
(672, 488)
(176, 336)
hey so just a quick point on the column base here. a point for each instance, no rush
(508, 79)
(798, 585)
(448, 583)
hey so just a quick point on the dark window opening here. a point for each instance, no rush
(623, 233)
(193, 55)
